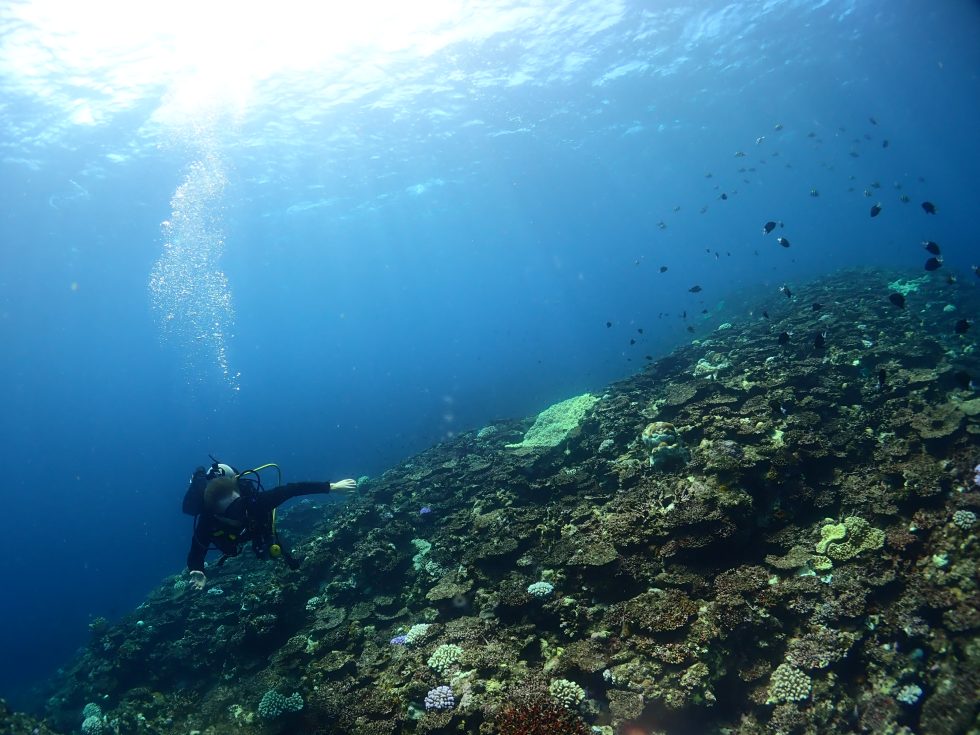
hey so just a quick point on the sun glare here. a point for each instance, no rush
(208, 55)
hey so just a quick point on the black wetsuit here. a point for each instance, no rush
(248, 518)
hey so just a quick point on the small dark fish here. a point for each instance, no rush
(695, 289)
(820, 340)
(663, 269)
(768, 227)
(929, 207)
(884, 143)
(783, 338)
(872, 121)
(785, 290)
(724, 195)
(648, 357)
(691, 330)
(632, 341)
(897, 299)
(931, 246)
(963, 380)
(608, 324)
(684, 314)
(765, 313)
(882, 379)
(704, 311)
(783, 241)
(876, 209)
(976, 270)
(933, 264)
(639, 330)
(950, 279)
(961, 326)
(905, 199)
(816, 307)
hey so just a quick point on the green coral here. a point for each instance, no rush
(274, 704)
(821, 564)
(555, 423)
(423, 547)
(93, 725)
(907, 287)
(843, 541)
(788, 684)
(830, 533)
(416, 633)
(445, 658)
(566, 693)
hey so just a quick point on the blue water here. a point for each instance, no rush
(378, 249)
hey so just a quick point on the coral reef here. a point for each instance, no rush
(805, 561)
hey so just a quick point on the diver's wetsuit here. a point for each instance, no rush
(248, 518)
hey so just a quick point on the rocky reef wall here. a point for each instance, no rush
(752, 535)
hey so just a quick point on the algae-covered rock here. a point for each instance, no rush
(938, 422)
(624, 705)
(659, 611)
(664, 444)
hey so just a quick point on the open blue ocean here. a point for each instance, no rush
(332, 235)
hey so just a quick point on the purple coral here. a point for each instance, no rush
(399, 640)
(440, 698)
(976, 477)
(425, 510)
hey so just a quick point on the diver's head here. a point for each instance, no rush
(220, 493)
(221, 470)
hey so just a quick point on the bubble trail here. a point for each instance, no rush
(189, 292)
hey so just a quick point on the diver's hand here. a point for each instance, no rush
(198, 579)
(343, 486)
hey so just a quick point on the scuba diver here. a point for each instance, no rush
(231, 508)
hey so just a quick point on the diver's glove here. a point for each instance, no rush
(198, 579)
(343, 486)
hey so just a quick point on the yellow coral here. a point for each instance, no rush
(843, 541)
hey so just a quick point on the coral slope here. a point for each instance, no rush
(806, 561)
